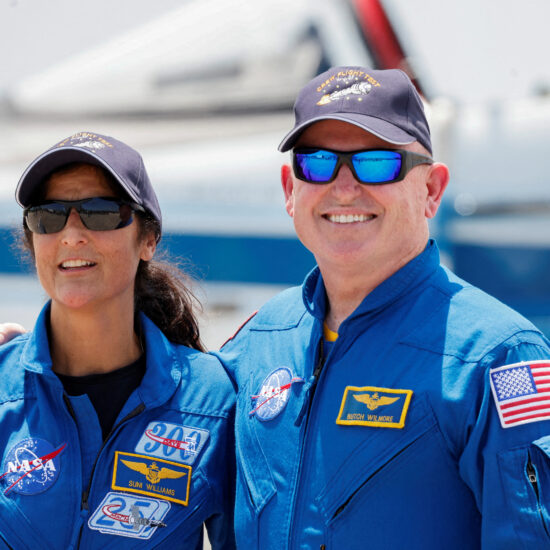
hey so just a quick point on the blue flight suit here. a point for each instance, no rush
(166, 467)
(391, 437)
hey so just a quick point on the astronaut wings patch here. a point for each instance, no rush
(522, 392)
(373, 406)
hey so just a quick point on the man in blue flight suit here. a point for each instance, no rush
(385, 403)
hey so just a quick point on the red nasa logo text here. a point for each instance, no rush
(175, 443)
(31, 466)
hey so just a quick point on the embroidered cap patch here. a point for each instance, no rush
(370, 406)
(521, 392)
(155, 477)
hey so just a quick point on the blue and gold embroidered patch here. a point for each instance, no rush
(152, 476)
(370, 406)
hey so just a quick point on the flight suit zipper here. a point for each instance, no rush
(305, 412)
(306, 407)
(84, 507)
(533, 480)
(4, 541)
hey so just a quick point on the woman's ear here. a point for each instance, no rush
(148, 247)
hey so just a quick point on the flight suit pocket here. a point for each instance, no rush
(255, 484)
(525, 477)
(379, 448)
(187, 520)
(390, 491)
(16, 529)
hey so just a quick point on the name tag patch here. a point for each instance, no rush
(172, 441)
(129, 516)
(371, 406)
(152, 476)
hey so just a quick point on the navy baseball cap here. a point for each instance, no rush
(384, 103)
(124, 163)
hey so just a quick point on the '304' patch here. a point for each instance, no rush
(172, 441)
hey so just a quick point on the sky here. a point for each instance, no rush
(35, 34)
(471, 50)
(478, 49)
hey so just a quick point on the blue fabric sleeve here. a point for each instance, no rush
(508, 469)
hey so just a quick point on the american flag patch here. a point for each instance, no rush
(522, 392)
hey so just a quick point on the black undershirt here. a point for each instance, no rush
(108, 392)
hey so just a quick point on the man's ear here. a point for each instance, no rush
(438, 178)
(287, 182)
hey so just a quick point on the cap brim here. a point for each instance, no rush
(380, 128)
(51, 160)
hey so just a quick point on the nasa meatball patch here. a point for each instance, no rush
(371, 406)
(31, 466)
(274, 394)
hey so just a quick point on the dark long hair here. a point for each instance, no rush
(162, 289)
(163, 292)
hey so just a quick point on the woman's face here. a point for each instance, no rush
(84, 269)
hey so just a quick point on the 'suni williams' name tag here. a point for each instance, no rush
(147, 475)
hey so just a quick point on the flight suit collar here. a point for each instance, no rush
(162, 375)
(401, 282)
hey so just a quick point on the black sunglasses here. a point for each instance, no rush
(370, 166)
(97, 214)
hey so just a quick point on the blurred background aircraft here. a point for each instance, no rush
(204, 90)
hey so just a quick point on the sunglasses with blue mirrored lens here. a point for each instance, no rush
(370, 166)
(97, 214)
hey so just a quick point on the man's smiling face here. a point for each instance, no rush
(354, 225)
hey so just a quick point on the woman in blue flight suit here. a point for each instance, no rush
(115, 428)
